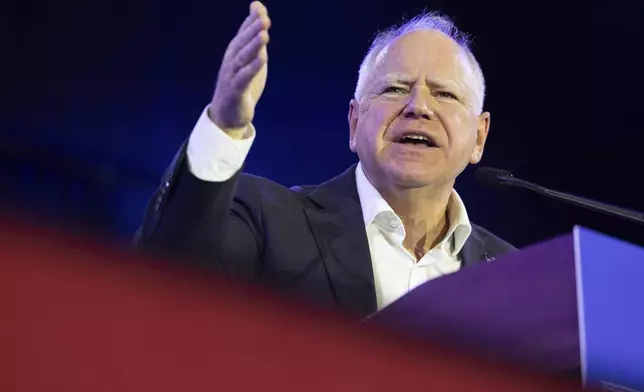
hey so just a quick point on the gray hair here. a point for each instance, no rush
(425, 21)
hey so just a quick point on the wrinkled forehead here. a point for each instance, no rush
(426, 54)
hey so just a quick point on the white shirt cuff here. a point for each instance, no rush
(212, 154)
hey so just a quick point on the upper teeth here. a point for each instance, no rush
(417, 137)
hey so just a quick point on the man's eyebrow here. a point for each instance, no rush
(445, 85)
(396, 79)
(408, 80)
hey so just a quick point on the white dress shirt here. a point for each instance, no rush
(395, 269)
(214, 156)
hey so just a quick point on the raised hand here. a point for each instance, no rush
(242, 75)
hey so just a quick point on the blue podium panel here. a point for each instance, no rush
(610, 291)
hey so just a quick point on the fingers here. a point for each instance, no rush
(259, 26)
(249, 19)
(251, 50)
(256, 22)
(256, 9)
(255, 39)
(247, 54)
(246, 74)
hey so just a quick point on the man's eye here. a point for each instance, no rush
(394, 89)
(446, 94)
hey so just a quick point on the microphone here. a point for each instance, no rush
(498, 178)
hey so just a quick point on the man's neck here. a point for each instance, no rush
(424, 215)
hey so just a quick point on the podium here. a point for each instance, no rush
(80, 316)
(575, 303)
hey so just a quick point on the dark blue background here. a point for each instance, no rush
(100, 94)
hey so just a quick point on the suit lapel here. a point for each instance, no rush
(474, 250)
(338, 226)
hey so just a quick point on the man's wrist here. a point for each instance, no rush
(241, 133)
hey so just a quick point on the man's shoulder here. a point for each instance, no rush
(340, 187)
(491, 241)
(304, 189)
(267, 188)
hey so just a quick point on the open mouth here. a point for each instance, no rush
(417, 140)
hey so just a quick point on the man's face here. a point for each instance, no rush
(422, 86)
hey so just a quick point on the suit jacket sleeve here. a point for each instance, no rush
(204, 223)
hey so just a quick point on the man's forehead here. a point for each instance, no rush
(424, 60)
(424, 41)
(410, 56)
(432, 52)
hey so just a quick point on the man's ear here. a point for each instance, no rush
(354, 109)
(481, 136)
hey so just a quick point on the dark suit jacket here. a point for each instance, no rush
(308, 240)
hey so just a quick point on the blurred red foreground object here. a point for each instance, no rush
(82, 317)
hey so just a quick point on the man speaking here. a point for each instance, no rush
(366, 237)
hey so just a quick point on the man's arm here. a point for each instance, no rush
(199, 212)
(194, 214)
(212, 154)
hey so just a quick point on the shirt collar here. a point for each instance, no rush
(374, 206)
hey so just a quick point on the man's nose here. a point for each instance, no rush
(419, 106)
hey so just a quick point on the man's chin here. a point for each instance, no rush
(414, 177)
